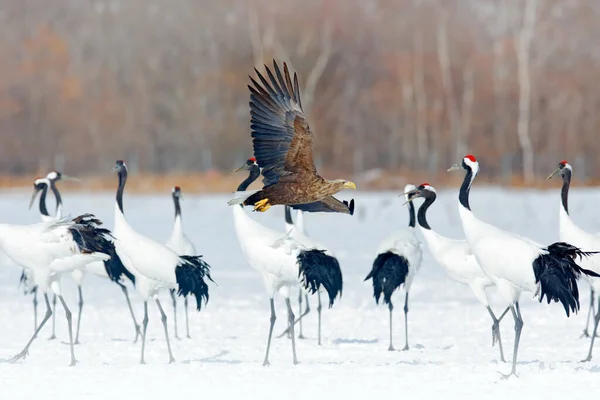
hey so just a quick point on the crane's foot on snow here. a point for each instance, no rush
(21, 356)
(504, 376)
(586, 334)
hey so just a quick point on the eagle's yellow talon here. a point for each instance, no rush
(262, 205)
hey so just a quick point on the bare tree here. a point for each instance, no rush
(523, 39)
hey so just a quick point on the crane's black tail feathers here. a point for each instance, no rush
(116, 270)
(388, 273)
(557, 272)
(318, 269)
(88, 235)
(190, 275)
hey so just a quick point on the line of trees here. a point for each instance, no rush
(387, 84)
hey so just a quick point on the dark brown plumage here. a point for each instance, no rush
(283, 147)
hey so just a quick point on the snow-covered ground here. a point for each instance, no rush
(450, 333)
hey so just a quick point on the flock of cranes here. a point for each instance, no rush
(289, 259)
(60, 246)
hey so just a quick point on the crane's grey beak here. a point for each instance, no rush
(244, 167)
(70, 178)
(413, 194)
(556, 171)
(33, 196)
(414, 191)
(455, 167)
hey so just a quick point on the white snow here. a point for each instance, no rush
(449, 332)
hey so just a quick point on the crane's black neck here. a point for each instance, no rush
(56, 194)
(411, 214)
(177, 205)
(252, 176)
(564, 193)
(121, 188)
(288, 215)
(465, 188)
(43, 209)
(422, 215)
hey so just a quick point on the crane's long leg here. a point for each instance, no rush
(516, 312)
(596, 321)
(53, 336)
(187, 321)
(25, 351)
(306, 311)
(70, 326)
(319, 308)
(406, 321)
(300, 335)
(391, 307)
(174, 311)
(163, 318)
(291, 322)
(79, 316)
(135, 324)
(273, 318)
(35, 304)
(496, 330)
(591, 313)
(144, 329)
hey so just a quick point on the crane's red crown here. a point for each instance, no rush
(564, 162)
(425, 184)
(471, 157)
(253, 159)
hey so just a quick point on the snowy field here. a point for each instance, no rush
(450, 333)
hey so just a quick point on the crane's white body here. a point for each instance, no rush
(45, 249)
(272, 253)
(152, 263)
(178, 241)
(504, 257)
(95, 267)
(457, 260)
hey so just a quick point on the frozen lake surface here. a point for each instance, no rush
(449, 331)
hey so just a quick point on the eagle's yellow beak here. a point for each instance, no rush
(349, 185)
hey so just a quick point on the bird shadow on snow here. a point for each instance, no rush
(354, 341)
(216, 359)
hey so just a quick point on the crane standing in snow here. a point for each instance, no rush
(516, 264)
(180, 244)
(457, 259)
(112, 268)
(155, 266)
(279, 259)
(570, 232)
(397, 262)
